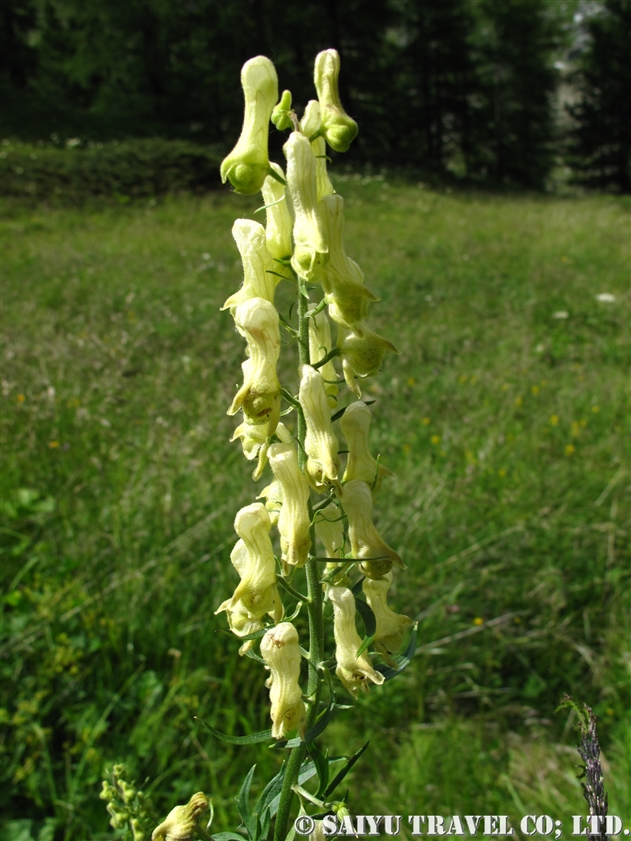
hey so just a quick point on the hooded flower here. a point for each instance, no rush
(343, 280)
(278, 220)
(320, 344)
(258, 266)
(293, 521)
(362, 353)
(367, 546)
(311, 122)
(253, 559)
(338, 128)
(247, 166)
(259, 396)
(391, 626)
(329, 528)
(353, 671)
(181, 823)
(281, 651)
(311, 248)
(355, 423)
(321, 445)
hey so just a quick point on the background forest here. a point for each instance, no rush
(486, 201)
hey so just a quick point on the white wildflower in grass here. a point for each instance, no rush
(606, 298)
(560, 314)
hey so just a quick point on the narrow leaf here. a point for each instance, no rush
(344, 771)
(365, 611)
(252, 739)
(243, 797)
(322, 767)
(366, 642)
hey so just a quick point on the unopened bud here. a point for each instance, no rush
(355, 423)
(293, 521)
(247, 166)
(281, 114)
(259, 281)
(339, 129)
(353, 671)
(181, 823)
(281, 651)
(367, 545)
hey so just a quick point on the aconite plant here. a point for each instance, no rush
(307, 546)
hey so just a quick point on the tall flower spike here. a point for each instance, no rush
(355, 423)
(253, 558)
(320, 344)
(247, 166)
(353, 671)
(281, 651)
(293, 521)
(278, 220)
(258, 280)
(343, 280)
(321, 445)
(367, 545)
(311, 248)
(391, 626)
(259, 396)
(362, 353)
(339, 129)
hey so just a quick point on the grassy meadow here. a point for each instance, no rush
(504, 418)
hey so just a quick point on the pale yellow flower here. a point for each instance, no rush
(339, 129)
(259, 396)
(367, 545)
(321, 445)
(311, 122)
(320, 344)
(323, 182)
(279, 224)
(355, 423)
(258, 281)
(353, 671)
(181, 823)
(247, 166)
(391, 626)
(311, 248)
(281, 651)
(293, 521)
(362, 353)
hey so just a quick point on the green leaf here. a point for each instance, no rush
(402, 660)
(366, 642)
(337, 415)
(307, 771)
(344, 771)
(243, 799)
(365, 611)
(322, 767)
(270, 792)
(252, 739)
(253, 636)
(227, 836)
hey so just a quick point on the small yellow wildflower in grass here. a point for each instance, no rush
(406, 448)
(565, 259)
(478, 620)
(474, 380)
(462, 378)
(576, 428)
(583, 422)
(504, 386)
(518, 401)
(411, 381)
(501, 472)
(517, 620)
(535, 389)
(595, 409)
(570, 449)
(20, 399)
(435, 439)
(53, 444)
(427, 421)
(554, 420)
(543, 383)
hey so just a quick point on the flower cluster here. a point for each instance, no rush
(318, 506)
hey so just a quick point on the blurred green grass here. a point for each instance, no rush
(504, 418)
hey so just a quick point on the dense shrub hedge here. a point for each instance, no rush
(130, 168)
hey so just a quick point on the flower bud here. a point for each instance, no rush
(323, 182)
(362, 353)
(355, 423)
(181, 823)
(281, 114)
(281, 652)
(311, 248)
(293, 522)
(353, 671)
(339, 129)
(366, 544)
(319, 345)
(259, 396)
(258, 282)
(391, 626)
(278, 221)
(246, 167)
(311, 122)
(321, 445)
(273, 496)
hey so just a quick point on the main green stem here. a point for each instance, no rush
(314, 607)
